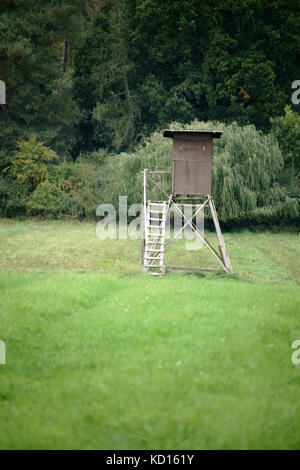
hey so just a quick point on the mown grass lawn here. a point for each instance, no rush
(102, 356)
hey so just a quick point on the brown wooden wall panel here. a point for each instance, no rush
(192, 160)
(192, 156)
(191, 177)
(185, 148)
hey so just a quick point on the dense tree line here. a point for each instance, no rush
(147, 63)
(84, 74)
(88, 79)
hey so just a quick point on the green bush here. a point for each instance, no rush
(286, 129)
(37, 184)
(81, 191)
(32, 181)
(96, 158)
(44, 200)
(30, 164)
(12, 202)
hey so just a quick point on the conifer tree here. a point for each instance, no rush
(39, 100)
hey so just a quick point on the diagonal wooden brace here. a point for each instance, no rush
(203, 239)
(182, 228)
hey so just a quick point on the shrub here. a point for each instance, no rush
(12, 202)
(33, 181)
(286, 129)
(81, 191)
(44, 200)
(30, 164)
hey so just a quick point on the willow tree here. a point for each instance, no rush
(247, 167)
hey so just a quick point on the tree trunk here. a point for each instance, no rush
(64, 55)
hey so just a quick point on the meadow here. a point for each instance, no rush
(102, 356)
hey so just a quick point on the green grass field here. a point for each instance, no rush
(101, 356)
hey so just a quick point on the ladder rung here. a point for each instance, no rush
(162, 230)
(155, 250)
(154, 236)
(156, 267)
(155, 218)
(157, 253)
(156, 212)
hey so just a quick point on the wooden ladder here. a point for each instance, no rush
(155, 232)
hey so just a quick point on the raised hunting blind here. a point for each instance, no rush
(191, 181)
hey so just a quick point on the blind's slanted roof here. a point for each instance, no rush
(193, 132)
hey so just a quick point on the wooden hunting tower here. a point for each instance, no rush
(191, 180)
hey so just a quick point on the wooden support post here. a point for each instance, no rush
(143, 216)
(222, 247)
(145, 195)
(202, 238)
